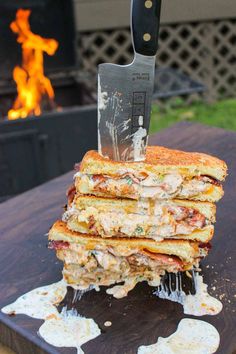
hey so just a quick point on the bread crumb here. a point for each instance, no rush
(108, 324)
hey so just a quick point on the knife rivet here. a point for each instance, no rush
(146, 37)
(148, 4)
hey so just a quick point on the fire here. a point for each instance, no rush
(32, 84)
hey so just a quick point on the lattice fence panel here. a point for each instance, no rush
(206, 51)
(224, 60)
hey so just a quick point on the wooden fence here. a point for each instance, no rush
(196, 36)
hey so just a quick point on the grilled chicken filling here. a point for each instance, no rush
(169, 220)
(108, 265)
(161, 187)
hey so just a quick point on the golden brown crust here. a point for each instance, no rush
(61, 228)
(158, 160)
(184, 249)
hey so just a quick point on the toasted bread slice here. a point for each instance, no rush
(185, 250)
(159, 160)
(143, 206)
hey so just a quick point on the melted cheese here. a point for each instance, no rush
(162, 186)
(199, 304)
(120, 291)
(164, 220)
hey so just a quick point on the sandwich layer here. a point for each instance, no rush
(159, 160)
(187, 251)
(149, 219)
(136, 268)
(144, 206)
(168, 186)
(92, 261)
(165, 174)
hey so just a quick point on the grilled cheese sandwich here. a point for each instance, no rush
(91, 260)
(165, 174)
(145, 218)
(128, 222)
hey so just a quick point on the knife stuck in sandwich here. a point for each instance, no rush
(125, 91)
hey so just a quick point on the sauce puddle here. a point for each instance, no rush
(191, 337)
(69, 329)
(199, 304)
(65, 329)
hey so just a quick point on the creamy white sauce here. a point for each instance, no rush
(114, 127)
(113, 132)
(199, 304)
(125, 126)
(69, 330)
(79, 293)
(101, 106)
(102, 97)
(39, 303)
(139, 144)
(103, 102)
(120, 291)
(191, 337)
(65, 329)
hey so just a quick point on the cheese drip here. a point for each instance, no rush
(65, 329)
(199, 304)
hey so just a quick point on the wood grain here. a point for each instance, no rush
(140, 318)
(5, 350)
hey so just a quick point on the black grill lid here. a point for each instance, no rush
(49, 19)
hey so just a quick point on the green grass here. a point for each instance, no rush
(220, 114)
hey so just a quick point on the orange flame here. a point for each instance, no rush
(32, 84)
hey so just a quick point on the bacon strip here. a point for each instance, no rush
(209, 179)
(103, 178)
(195, 218)
(207, 245)
(99, 179)
(77, 166)
(71, 194)
(58, 245)
(164, 259)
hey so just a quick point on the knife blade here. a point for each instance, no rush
(125, 91)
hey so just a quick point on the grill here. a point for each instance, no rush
(36, 149)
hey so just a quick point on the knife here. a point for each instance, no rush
(125, 91)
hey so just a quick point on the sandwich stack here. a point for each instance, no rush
(128, 222)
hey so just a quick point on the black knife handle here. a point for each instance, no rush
(145, 21)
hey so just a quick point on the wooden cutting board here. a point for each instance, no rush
(140, 318)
